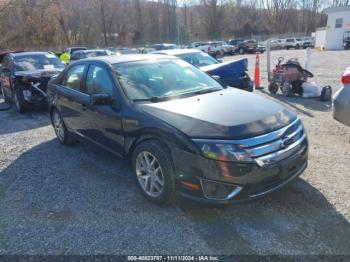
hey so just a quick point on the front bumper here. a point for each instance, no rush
(244, 181)
(34, 94)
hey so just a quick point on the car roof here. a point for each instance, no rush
(91, 50)
(116, 59)
(175, 52)
(30, 53)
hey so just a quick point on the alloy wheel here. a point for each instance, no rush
(149, 174)
(58, 126)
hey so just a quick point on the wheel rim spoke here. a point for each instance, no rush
(149, 174)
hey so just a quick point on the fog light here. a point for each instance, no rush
(219, 191)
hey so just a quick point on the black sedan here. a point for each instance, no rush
(24, 77)
(181, 130)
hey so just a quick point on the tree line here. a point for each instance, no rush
(55, 24)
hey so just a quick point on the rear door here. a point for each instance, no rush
(104, 125)
(72, 101)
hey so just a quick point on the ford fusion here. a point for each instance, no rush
(182, 132)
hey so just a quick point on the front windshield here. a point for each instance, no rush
(198, 59)
(37, 62)
(163, 78)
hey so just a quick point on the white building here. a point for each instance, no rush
(338, 22)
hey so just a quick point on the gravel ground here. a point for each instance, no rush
(81, 200)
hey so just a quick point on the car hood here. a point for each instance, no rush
(226, 114)
(232, 69)
(43, 73)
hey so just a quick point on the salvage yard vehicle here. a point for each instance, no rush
(24, 77)
(212, 48)
(164, 46)
(346, 40)
(81, 54)
(181, 130)
(233, 73)
(71, 50)
(341, 100)
(295, 43)
(246, 46)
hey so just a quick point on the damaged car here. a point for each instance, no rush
(24, 77)
(233, 73)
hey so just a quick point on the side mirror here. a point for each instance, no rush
(101, 100)
(5, 72)
(104, 100)
(220, 60)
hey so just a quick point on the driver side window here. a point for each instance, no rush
(98, 81)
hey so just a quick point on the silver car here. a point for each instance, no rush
(341, 100)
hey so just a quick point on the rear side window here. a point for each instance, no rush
(98, 81)
(74, 77)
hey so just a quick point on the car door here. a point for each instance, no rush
(104, 126)
(72, 101)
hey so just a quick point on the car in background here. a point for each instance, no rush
(277, 44)
(233, 73)
(180, 130)
(307, 42)
(341, 100)
(24, 77)
(226, 48)
(164, 46)
(346, 40)
(81, 54)
(295, 43)
(71, 50)
(244, 46)
(261, 48)
(3, 54)
(122, 50)
(214, 49)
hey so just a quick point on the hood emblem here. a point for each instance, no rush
(285, 142)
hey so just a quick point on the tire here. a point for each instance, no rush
(63, 135)
(6, 99)
(156, 181)
(273, 88)
(297, 46)
(20, 104)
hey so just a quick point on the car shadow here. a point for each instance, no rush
(297, 220)
(83, 200)
(302, 105)
(12, 121)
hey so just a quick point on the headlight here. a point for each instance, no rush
(222, 150)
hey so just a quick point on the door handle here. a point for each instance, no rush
(84, 107)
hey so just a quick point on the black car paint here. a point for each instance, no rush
(174, 123)
(24, 80)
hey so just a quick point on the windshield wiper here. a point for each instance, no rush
(153, 99)
(205, 91)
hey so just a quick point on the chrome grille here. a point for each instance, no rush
(277, 145)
